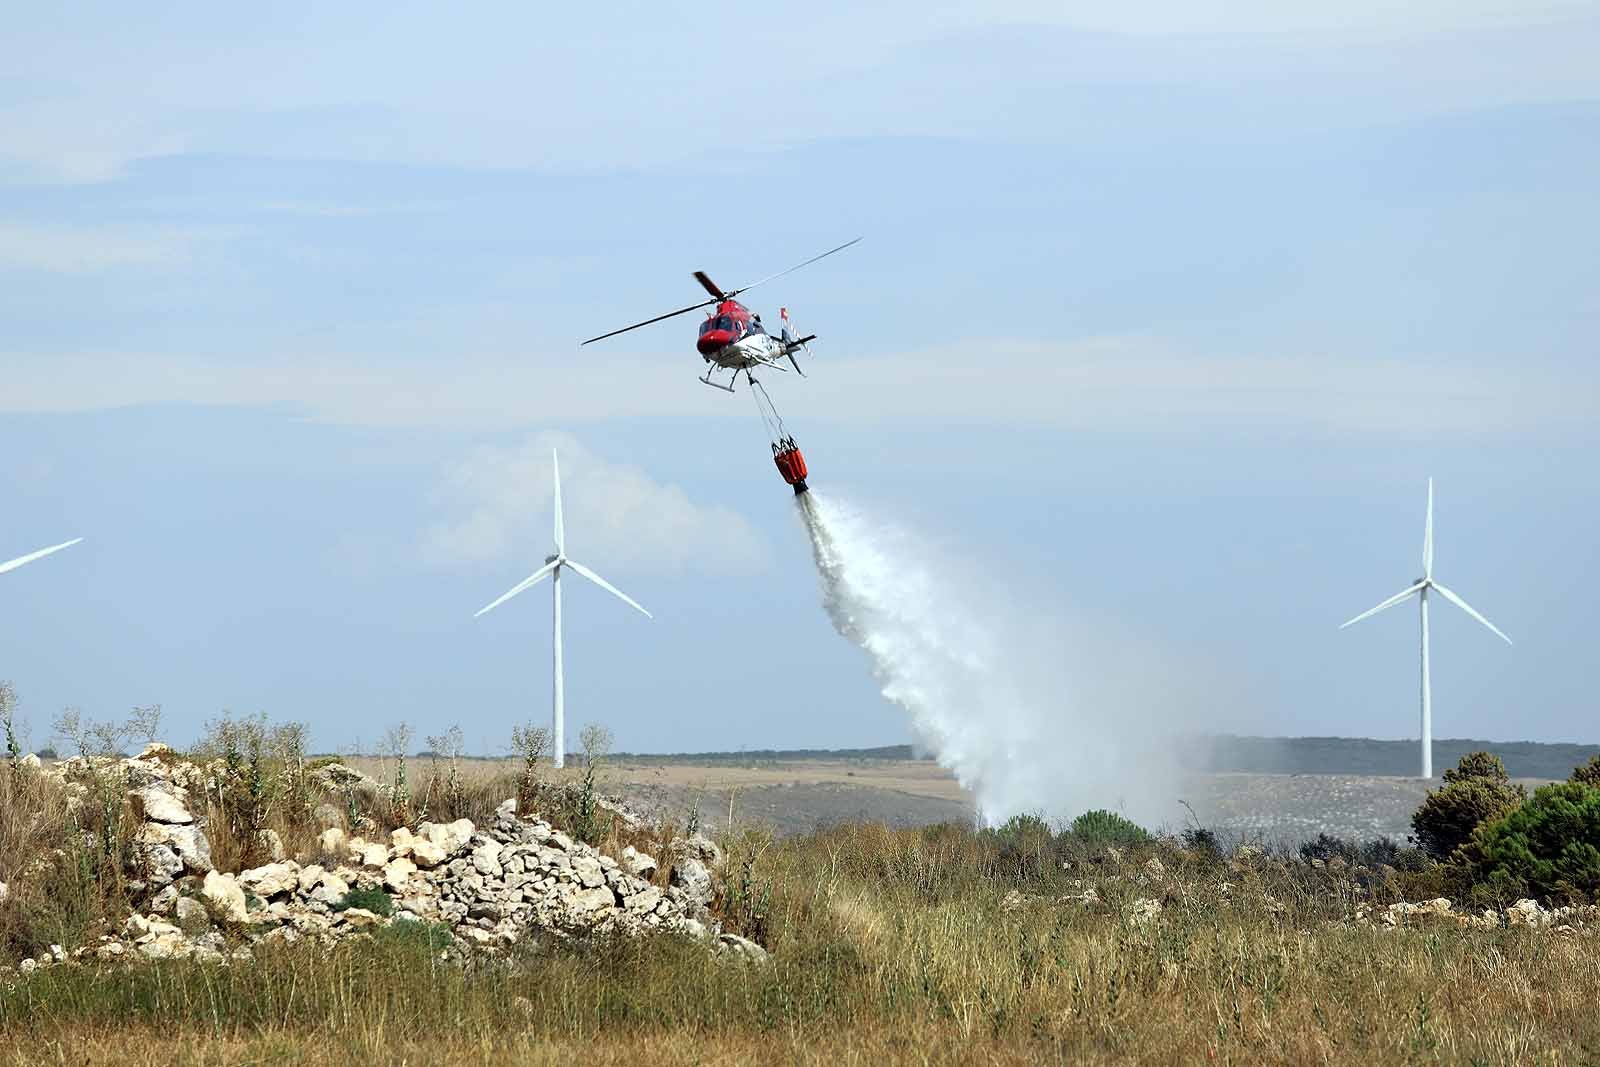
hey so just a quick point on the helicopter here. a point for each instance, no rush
(732, 337)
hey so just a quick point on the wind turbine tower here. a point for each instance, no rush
(554, 564)
(1420, 589)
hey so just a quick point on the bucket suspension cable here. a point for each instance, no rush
(769, 413)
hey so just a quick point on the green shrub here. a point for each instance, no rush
(1101, 827)
(1475, 792)
(374, 900)
(1587, 773)
(1548, 847)
(1024, 846)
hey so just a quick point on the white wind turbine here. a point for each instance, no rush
(13, 564)
(553, 566)
(1420, 589)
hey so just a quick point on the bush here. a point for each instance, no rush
(1101, 827)
(1024, 845)
(1548, 847)
(1587, 773)
(1477, 791)
(374, 900)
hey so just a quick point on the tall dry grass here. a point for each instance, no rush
(887, 946)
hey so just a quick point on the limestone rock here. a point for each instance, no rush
(310, 877)
(375, 856)
(451, 837)
(588, 872)
(189, 842)
(400, 841)
(331, 842)
(398, 873)
(160, 864)
(273, 879)
(31, 762)
(592, 900)
(361, 918)
(158, 802)
(164, 901)
(425, 853)
(692, 877)
(639, 864)
(643, 901)
(486, 858)
(223, 897)
(741, 948)
(1527, 913)
(338, 776)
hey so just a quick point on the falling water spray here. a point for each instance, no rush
(989, 688)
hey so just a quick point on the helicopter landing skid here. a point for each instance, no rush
(718, 385)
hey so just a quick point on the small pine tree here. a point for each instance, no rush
(1587, 773)
(1476, 791)
(1103, 827)
(1549, 846)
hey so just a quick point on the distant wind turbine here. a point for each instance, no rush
(1420, 589)
(553, 566)
(13, 564)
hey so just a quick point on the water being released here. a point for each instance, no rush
(990, 690)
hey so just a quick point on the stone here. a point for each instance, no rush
(559, 840)
(223, 897)
(164, 901)
(361, 918)
(5, 891)
(741, 948)
(27, 967)
(426, 854)
(639, 864)
(400, 841)
(331, 842)
(375, 856)
(398, 873)
(271, 880)
(161, 864)
(31, 762)
(191, 916)
(1527, 913)
(310, 877)
(338, 776)
(692, 877)
(592, 900)
(158, 802)
(189, 842)
(451, 837)
(643, 901)
(587, 870)
(486, 858)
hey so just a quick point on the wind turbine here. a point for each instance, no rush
(13, 564)
(553, 566)
(1420, 589)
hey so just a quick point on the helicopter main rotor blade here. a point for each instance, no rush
(792, 269)
(709, 285)
(646, 322)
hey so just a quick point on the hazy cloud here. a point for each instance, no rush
(84, 249)
(498, 503)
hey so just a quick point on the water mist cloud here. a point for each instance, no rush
(1033, 713)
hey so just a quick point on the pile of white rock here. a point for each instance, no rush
(491, 887)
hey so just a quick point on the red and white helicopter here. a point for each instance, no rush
(732, 337)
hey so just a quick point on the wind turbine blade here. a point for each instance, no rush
(561, 527)
(1427, 536)
(608, 587)
(1464, 606)
(11, 565)
(533, 579)
(1391, 602)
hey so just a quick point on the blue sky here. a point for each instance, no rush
(1164, 315)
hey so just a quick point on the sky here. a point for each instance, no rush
(1163, 317)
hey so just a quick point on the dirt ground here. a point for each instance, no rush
(794, 796)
